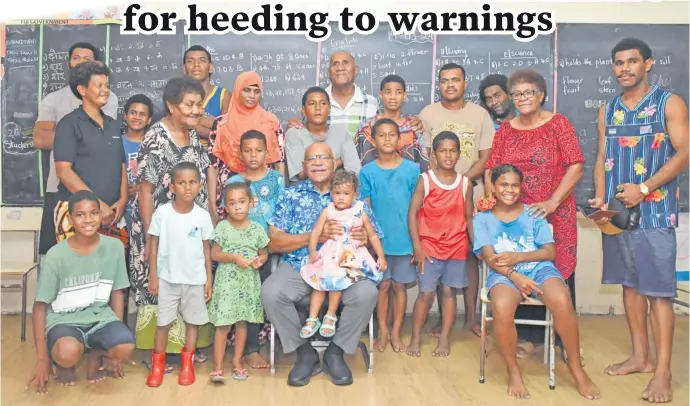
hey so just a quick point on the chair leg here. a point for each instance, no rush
(552, 360)
(482, 354)
(370, 369)
(273, 349)
(24, 280)
(547, 334)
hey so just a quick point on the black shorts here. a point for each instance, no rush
(47, 238)
(102, 338)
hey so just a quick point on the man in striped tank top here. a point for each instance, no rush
(643, 147)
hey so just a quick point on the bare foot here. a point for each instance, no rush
(630, 366)
(516, 386)
(382, 342)
(413, 348)
(443, 347)
(475, 328)
(435, 331)
(94, 371)
(256, 361)
(659, 389)
(587, 388)
(397, 343)
(65, 376)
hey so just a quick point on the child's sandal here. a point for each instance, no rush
(239, 374)
(328, 326)
(218, 376)
(308, 331)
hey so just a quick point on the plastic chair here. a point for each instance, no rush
(322, 344)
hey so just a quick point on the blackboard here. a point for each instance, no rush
(483, 55)
(381, 54)
(143, 64)
(57, 40)
(287, 68)
(20, 169)
(586, 81)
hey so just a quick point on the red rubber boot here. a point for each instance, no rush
(155, 378)
(187, 370)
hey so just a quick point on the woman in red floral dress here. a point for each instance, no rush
(543, 145)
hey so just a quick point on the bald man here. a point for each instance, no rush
(297, 211)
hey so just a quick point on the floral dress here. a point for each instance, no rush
(236, 291)
(158, 154)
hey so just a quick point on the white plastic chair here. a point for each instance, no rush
(367, 352)
(549, 333)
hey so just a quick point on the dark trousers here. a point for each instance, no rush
(535, 334)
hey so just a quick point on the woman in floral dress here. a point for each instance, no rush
(167, 143)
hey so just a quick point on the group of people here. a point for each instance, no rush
(359, 203)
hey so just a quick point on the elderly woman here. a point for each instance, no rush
(167, 143)
(543, 145)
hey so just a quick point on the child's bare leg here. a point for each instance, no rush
(219, 344)
(315, 303)
(449, 304)
(191, 333)
(436, 328)
(161, 340)
(419, 314)
(240, 342)
(333, 303)
(470, 295)
(399, 307)
(557, 299)
(504, 302)
(382, 315)
(66, 353)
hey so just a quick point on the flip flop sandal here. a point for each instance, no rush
(199, 357)
(310, 330)
(527, 350)
(328, 326)
(218, 376)
(239, 374)
(147, 364)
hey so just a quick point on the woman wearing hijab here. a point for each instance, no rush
(244, 114)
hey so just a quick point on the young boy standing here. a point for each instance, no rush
(138, 111)
(180, 267)
(80, 276)
(387, 183)
(411, 145)
(440, 220)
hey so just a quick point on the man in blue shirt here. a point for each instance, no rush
(296, 212)
(495, 98)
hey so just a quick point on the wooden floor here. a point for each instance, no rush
(397, 379)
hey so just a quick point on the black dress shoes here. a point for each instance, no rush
(334, 365)
(306, 366)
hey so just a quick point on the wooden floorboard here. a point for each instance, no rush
(397, 379)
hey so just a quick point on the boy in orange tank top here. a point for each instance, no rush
(440, 220)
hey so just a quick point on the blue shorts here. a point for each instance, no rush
(449, 272)
(539, 277)
(400, 269)
(101, 338)
(643, 259)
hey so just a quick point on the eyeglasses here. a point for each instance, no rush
(322, 157)
(527, 93)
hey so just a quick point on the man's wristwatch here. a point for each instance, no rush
(644, 189)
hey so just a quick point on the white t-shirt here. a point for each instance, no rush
(181, 244)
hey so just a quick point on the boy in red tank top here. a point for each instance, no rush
(440, 220)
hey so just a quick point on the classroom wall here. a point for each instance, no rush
(592, 298)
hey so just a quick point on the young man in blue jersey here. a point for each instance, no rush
(643, 147)
(197, 64)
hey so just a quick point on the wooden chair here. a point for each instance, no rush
(549, 333)
(21, 270)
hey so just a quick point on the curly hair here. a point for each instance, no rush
(344, 177)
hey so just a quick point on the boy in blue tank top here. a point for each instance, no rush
(643, 147)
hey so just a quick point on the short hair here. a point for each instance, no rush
(184, 166)
(492, 80)
(177, 88)
(81, 74)
(632, 43)
(393, 79)
(252, 135)
(198, 48)
(528, 75)
(443, 136)
(80, 196)
(502, 170)
(451, 66)
(382, 122)
(84, 45)
(139, 98)
(314, 89)
(344, 177)
(237, 185)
